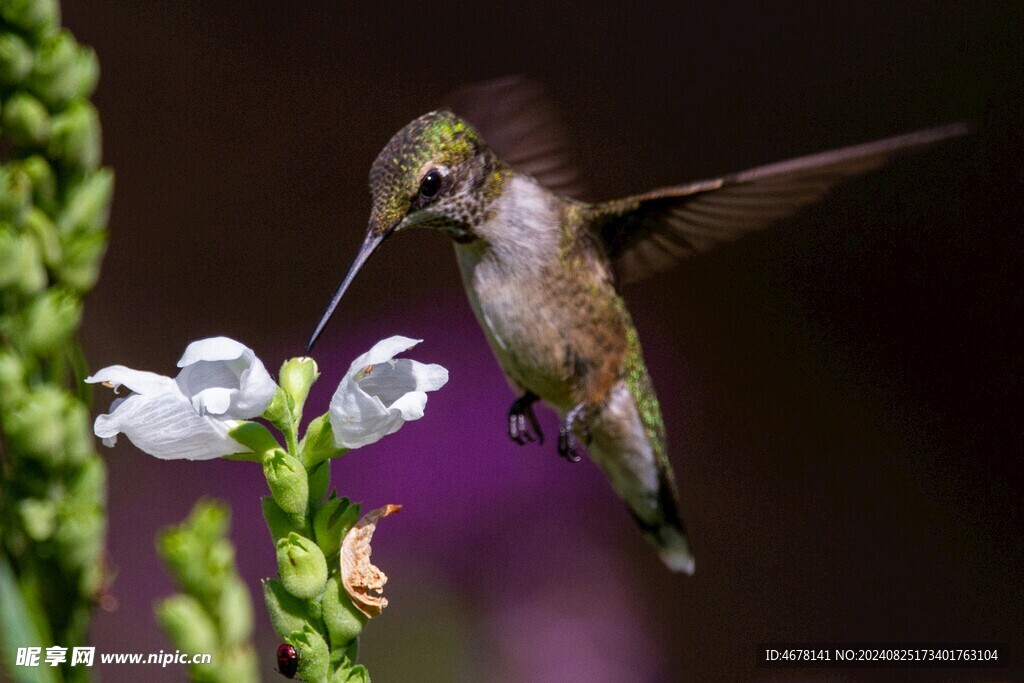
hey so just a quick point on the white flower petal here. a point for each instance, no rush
(206, 379)
(139, 381)
(383, 350)
(357, 418)
(388, 381)
(428, 377)
(255, 392)
(213, 401)
(166, 426)
(410, 406)
(379, 394)
(206, 374)
(214, 349)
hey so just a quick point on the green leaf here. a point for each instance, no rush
(280, 523)
(17, 629)
(318, 443)
(344, 621)
(332, 521)
(255, 436)
(319, 481)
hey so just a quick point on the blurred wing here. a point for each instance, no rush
(519, 123)
(648, 233)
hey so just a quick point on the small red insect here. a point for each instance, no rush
(287, 660)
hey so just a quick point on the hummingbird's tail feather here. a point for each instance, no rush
(673, 548)
(669, 534)
(628, 445)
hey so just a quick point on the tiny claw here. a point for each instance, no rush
(568, 447)
(518, 415)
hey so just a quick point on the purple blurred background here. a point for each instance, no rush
(842, 394)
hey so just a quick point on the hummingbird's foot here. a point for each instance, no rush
(568, 444)
(518, 415)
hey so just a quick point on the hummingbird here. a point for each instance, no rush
(543, 270)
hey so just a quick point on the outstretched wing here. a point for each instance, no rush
(518, 121)
(648, 233)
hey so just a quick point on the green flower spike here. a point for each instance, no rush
(214, 611)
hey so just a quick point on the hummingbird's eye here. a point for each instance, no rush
(431, 184)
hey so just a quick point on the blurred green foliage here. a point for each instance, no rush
(54, 204)
(213, 613)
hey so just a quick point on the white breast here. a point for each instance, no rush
(503, 275)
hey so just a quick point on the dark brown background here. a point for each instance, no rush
(842, 394)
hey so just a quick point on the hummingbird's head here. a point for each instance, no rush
(434, 173)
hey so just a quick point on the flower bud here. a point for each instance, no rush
(89, 484)
(279, 410)
(79, 535)
(287, 480)
(332, 521)
(279, 522)
(39, 225)
(313, 664)
(26, 120)
(31, 16)
(22, 265)
(80, 259)
(12, 372)
(238, 664)
(44, 182)
(49, 320)
(87, 66)
(220, 563)
(343, 620)
(15, 193)
(234, 612)
(55, 74)
(287, 612)
(38, 517)
(27, 273)
(199, 566)
(75, 137)
(78, 443)
(318, 444)
(296, 377)
(182, 552)
(93, 577)
(357, 674)
(302, 566)
(15, 58)
(35, 425)
(209, 520)
(184, 619)
(88, 203)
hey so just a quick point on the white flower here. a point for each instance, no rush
(221, 381)
(379, 395)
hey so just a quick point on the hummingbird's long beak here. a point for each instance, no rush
(370, 244)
